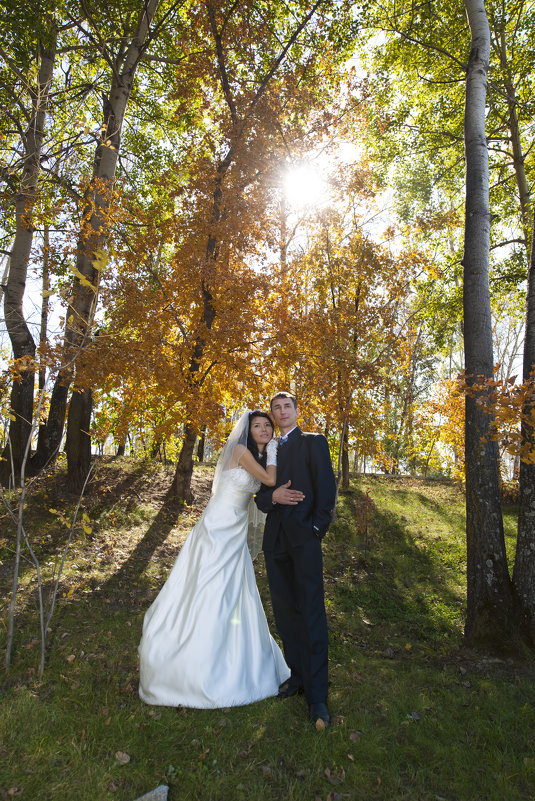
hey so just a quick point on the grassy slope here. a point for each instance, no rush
(416, 716)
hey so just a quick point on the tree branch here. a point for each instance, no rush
(223, 75)
(508, 242)
(265, 81)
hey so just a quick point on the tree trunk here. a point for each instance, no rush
(94, 231)
(51, 435)
(345, 460)
(121, 448)
(44, 323)
(181, 486)
(490, 618)
(21, 339)
(155, 450)
(516, 144)
(184, 470)
(200, 446)
(524, 570)
(4, 267)
(78, 443)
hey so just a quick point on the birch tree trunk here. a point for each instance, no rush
(21, 338)
(516, 144)
(345, 460)
(89, 261)
(524, 570)
(490, 617)
(45, 303)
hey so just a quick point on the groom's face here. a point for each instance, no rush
(284, 413)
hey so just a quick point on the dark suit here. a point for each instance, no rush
(292, 549)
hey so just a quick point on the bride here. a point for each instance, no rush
(206, 641)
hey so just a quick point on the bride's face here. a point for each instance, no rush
(261, 431)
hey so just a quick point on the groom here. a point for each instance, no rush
(298, 515)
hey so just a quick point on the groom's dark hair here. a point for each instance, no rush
(283, 395)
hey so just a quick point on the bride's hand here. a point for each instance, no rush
(271, 451)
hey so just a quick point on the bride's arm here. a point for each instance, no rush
(267, 476)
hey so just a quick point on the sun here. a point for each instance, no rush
(304, 187)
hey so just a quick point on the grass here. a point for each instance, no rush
(417, 716)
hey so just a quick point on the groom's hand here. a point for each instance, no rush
(287, 496)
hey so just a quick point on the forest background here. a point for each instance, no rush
(220, 199)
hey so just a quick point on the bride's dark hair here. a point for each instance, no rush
(251, 444)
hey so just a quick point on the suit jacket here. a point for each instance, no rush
(305, 460)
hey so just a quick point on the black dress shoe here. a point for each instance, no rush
(289, 689)
(319, 715)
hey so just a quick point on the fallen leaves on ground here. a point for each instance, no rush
(335, 776)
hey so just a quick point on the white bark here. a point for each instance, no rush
(95, 226)
(94, 231)
(489, 593)
(20, 254)
(21, 339)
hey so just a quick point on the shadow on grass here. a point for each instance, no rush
(113, 481)
(108, 487)
(393, 581)
(130, 577)
(431, 504)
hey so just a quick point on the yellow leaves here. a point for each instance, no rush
(85, 523)
(83, 280)
(62, 519)
(100, 261)
(507, 404)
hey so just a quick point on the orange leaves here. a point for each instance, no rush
(340, 322)
(510, 406)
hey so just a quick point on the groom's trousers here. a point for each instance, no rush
(295, 576)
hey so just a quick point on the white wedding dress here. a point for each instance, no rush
(206, 642)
